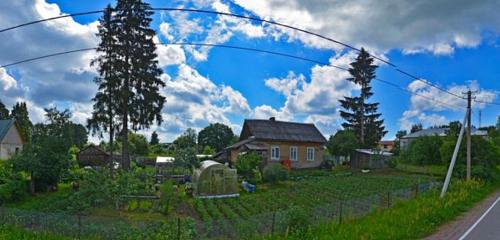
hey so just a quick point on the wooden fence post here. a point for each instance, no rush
(79, 225)
(388, 199)
(178, 228)
(340, 212)
(272, 224)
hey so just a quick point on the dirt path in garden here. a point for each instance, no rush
(456, 228)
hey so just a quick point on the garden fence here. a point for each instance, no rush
(338, 209)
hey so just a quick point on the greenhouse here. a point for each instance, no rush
(214, 180)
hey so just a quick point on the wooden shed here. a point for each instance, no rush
(366, 158)
(214, 180)
(93, 156)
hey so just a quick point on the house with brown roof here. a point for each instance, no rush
(11, 140)
(276, 141)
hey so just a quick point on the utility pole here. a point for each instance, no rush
(480, 113)
(469, 101)
(469, 132)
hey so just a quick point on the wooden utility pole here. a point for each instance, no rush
(469, 101)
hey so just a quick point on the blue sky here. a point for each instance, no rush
(456, 49)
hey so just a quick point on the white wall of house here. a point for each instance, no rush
(11, 143)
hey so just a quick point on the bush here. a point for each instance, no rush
(297, 220)
(12, 185)
(424, 150)
(247, 164)
(13, 188)
(392, 162)
(275, 172)
(169, 196)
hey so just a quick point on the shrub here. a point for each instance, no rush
(424, 150)
(168, 196)
(275, 172)
(12, 185)
(246, 165)
(13, 188)
(392, 162)
(297, 220)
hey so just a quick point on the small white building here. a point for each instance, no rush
(11, 140)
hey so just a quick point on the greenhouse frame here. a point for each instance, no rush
(215, 180)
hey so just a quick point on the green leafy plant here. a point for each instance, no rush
(274, 173)
(247, 164)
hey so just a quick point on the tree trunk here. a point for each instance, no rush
(32, 183)
(125, 156)
(111, 144)
(362, 123)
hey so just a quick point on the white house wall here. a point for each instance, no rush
(10, 143)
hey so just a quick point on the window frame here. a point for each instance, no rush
(307, 154)
(273, 151)
(296, 153)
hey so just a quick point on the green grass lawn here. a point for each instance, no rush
(48, 201)
(15, 233)
(431, 170)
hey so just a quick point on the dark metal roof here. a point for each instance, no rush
(5, 125)
(281, 131)
(441, 132)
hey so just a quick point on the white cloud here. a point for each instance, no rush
(266, 111)
(414, 26)
(7, 82)
(217, 31)
(287, 85)
(195, 101)
(61, 78)
(317, 100)
(430, 101)
(166, 31)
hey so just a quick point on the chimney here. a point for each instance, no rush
(272, 119)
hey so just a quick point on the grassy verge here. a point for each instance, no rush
(412, 219)
(436, 170)
(14, 233)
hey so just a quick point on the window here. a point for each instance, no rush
(293, 153)
(275, 153)
(310, 154)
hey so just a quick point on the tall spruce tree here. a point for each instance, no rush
(139, 101)
(20, 114)
(361, 116)
(4, 112)
(154, 139)
(104, 116)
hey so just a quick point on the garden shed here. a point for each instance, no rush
(366, 158)
(214, 180)
(93, 156)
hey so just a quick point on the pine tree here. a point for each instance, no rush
(360, 116)
(20, 114)
(154, 139)
(139, 100)
(4, 112)
(104, 116)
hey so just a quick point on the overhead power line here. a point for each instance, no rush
(485, 102)
(412, 76)
(244, 49)
(47, 56)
